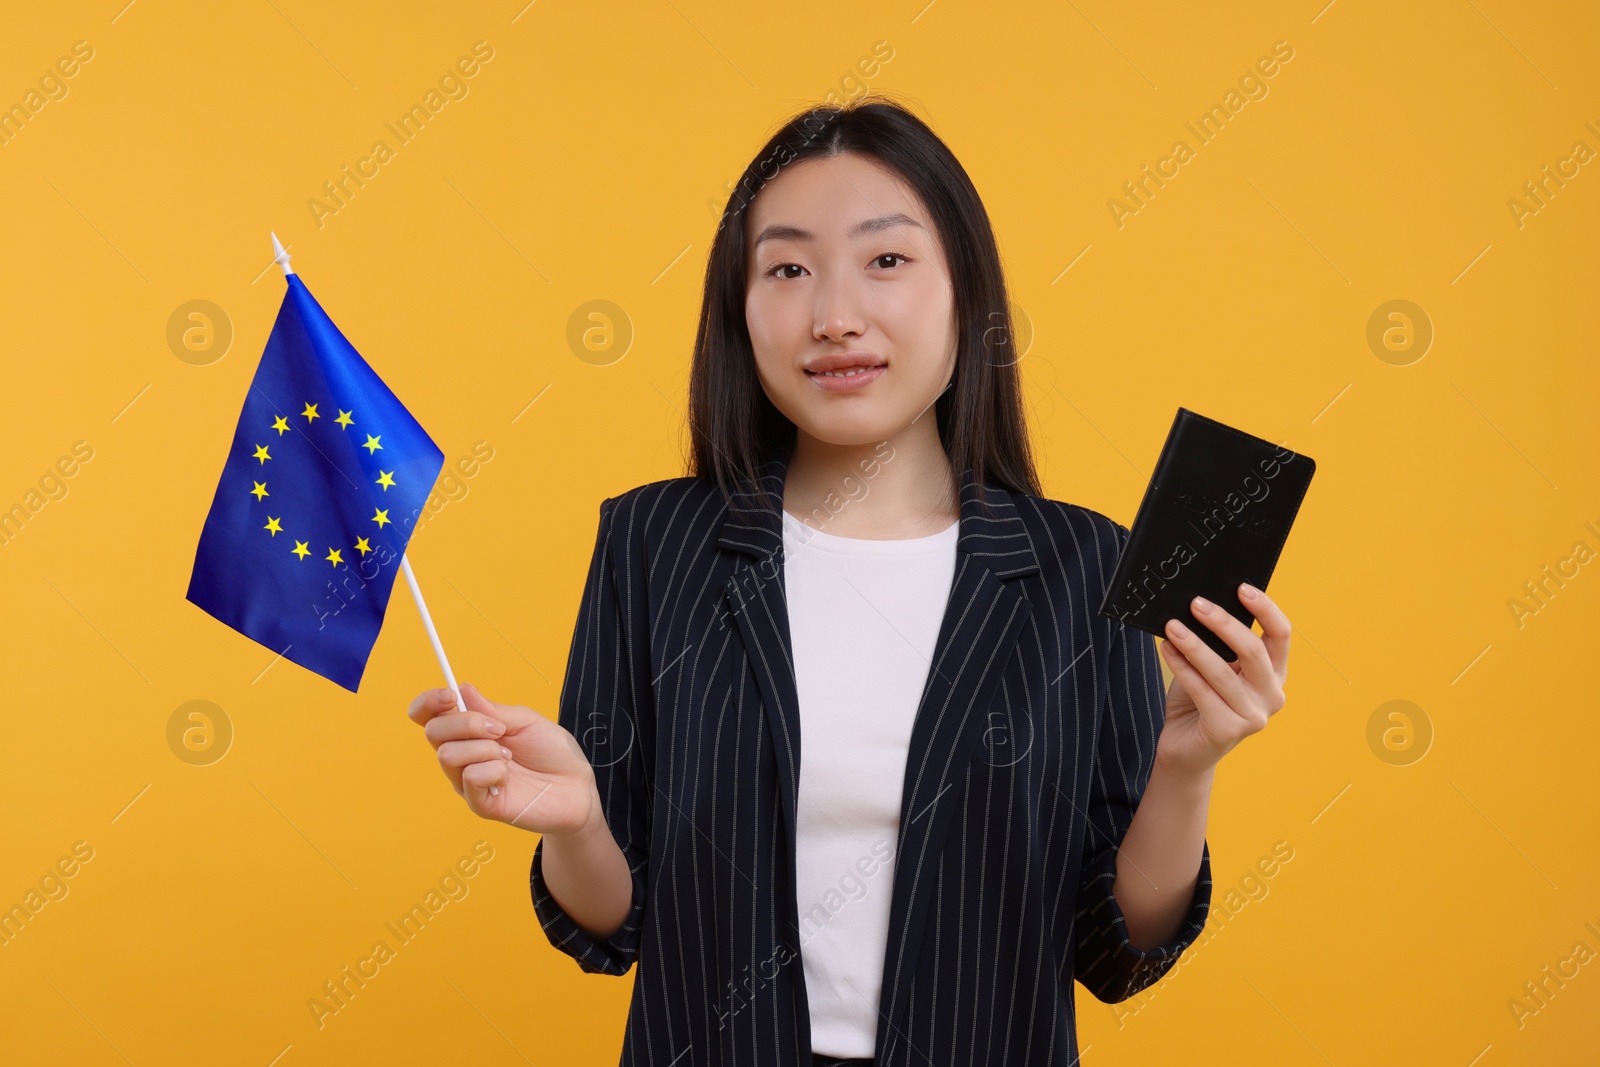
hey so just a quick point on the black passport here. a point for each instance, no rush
(1216, 513)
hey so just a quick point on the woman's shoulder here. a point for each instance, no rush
(656, 490)
(1062, 517)
(666, 507)
(1071, 539)
(671, 492)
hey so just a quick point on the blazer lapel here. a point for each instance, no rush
(983, 617)
(754, 596)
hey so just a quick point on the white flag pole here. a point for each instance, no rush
(281, 258)
(438, 647)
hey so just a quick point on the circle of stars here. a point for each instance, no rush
(385, 480)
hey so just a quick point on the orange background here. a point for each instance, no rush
(1440, 859)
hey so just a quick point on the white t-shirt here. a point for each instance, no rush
(863, 618)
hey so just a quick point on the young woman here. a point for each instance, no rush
(845, 758)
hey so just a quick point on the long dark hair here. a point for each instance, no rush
(981, 420)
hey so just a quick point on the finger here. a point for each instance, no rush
(477, 702)
(1204, 659)
(1275, 627)
(1246, 643)
(482, 782)
(1219, 719)
(429, 703)
(459, 754)
(455, 756)
(514, 717)
(467, 724)
(1193, 682)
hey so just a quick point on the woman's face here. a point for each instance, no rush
(845, 260)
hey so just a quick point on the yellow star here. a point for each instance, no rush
(372, 444)
(261, 453)
(362, 546)
(333, 557)
(386, 479)
(344, 420)
(311, 412)
(280, 424)
(381, 518)
(272, 525)
(260, 490)
(300, 549)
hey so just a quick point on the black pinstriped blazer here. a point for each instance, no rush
(1033, 741)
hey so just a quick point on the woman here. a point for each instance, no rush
(846, 758)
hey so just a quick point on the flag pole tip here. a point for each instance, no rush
(279, 256)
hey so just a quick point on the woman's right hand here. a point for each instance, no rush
(545, 781)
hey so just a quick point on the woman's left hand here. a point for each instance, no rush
(1212, 704)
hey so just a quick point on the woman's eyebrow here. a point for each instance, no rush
(795, 233)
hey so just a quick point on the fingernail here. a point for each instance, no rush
(447, 698)
(1179, 628)
(506, 752)
(1202, 605)
(1250, 592)
(496, 728)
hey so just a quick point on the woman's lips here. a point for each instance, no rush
(835, 384)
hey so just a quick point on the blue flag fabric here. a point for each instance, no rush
(322, 488)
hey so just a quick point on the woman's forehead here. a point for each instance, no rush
(830, 198)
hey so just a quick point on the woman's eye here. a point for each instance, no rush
(776, 271)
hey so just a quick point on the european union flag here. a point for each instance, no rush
(324, 483)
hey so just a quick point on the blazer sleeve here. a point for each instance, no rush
(1132, 716)
(607, 705)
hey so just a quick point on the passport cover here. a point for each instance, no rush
(1216, 513)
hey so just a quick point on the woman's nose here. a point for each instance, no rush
(838, 313)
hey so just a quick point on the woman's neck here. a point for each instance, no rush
(885, 490)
